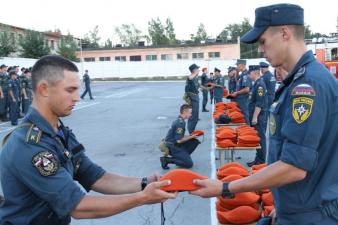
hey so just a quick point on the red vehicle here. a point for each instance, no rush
(332, 66)
(329, 58)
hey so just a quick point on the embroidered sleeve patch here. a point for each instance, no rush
(46, 163)
(260, 91)
(303, 90)
(301, 109)
(179, 130)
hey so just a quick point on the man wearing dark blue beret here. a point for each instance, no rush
(191, 94)
(303, 147)
(258, 115)
(269, 80)
(241, 95)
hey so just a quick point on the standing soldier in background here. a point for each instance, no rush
(218, 85)
(258, 111)
(232, 73)
(14, 97)
(191, 92)
(86, 80)
(3, 93)
(241, 95)
(269, 80)
(26, 89)
(205, 89)
(211, 81)
(303, 147)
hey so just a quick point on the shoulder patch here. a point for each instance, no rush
(301, 109)
(303, 90)
(260, 91)
(46, 163)
(179, 130)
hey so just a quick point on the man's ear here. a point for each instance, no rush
(286, 33)
(43, 88)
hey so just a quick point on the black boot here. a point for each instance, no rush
(164, 162)
(250, 164)
(205, 110)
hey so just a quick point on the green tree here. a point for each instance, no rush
(170, 31)
(92, 39)
(67, 47)
(33, 45)
(7, 44)
(201, 34)
(236, 30)
(156, 32)
(128, 34)
(108, 44)
(309, 34)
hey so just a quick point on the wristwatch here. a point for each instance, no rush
(225, 191)
(144, 183)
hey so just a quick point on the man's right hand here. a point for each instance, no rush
(153, 194)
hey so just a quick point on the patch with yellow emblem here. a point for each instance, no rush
(179, 130)
(301, 109)
(46, 163)
(260, 91)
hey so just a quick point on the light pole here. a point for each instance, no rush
(81, 56)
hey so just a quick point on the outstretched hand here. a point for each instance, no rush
(154, 194)
(208, 188)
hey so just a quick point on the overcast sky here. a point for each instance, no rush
(78, 17)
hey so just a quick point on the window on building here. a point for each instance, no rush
(89, 59)
(104, 59)
(121, 58)
(198, 55)
(214, 54)
(135, 58)
(151, 57)
(166, 57)
(181, 56)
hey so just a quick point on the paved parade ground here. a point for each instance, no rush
(121, 130)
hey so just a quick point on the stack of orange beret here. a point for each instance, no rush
(225, 137)
(230, 109)
(243, 208)
(247, 136)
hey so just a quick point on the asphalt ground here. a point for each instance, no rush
(121, 130)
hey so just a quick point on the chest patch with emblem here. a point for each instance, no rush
(46, 163)
(301, 109)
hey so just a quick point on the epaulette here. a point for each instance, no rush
(33, 135)
(6, 137)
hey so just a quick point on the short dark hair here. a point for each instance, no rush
(184, 107)
(51, 68)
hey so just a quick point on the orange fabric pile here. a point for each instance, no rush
(230, 109)
(225, 137)
(243, 208)
(243, 136)
(266, 194)
(181, 180)
(247, 136)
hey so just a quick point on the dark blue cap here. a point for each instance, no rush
(3, 66)
(231, 68)
(264, 64)
(254, 68)
(193, 66)
(217, 70)
(273, 15)
(241, 61)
